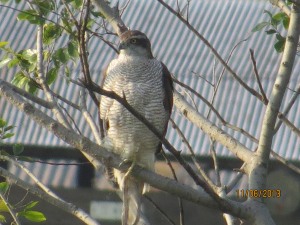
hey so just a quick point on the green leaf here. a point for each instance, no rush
(25, 159)
(61, 55)
(279, 46)
(46, 55)
(29, 55)
(17, 78)
(8, 135)
(51, 31)
(9, 128)
(4, 153)
(90, 23)
(2, 219)
(286, 22)
(2, 43)
(260, 26)
(278, 16)
(23, 82)
(4, 62)
(72, 49)
(44, 7)
(30, 205)
(18, 148)
(77, 4)
(67, 73)
(24, 64)
(3, 206)
(32, 89)
(36, 20)
(26, 14)
(97, 14)
(271, 31)
(274, 22)
(33, 216)
(279, 37)
(2, 123)
(270, 14)
(289, 3)
(4, 187)
(4, 1)
(17, 1)
(51, 75)
(12, 63)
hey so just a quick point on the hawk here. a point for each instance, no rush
(147, 86)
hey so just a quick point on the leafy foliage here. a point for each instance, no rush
(34, 216)
(275, 20)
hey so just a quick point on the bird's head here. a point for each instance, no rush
(135, 43)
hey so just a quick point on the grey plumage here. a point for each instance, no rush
(146, 83)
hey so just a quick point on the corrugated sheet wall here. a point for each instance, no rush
(223, 24)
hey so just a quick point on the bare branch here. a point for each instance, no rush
(289, 124)
(242, 131)
(212, 130)
(159, 210)
(201, 97)
(112, 16)
(222, 73)
(216, 164)
(265, 99)
(283, 6)
(197, 164)
(88, 116)
(259, 162)
(287, 108)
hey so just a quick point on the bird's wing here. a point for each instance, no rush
(104, 123)
(168, 98)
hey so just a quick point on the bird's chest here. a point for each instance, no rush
(139, 82)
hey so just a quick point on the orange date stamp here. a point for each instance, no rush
(258, 193)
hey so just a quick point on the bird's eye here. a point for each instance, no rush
(133, 41)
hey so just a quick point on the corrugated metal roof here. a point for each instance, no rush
(223, 24)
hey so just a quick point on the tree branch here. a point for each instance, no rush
(282, 5)
(212, 130)
(259, 163)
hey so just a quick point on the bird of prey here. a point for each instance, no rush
(147, 86)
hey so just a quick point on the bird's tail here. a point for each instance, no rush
(132, 193)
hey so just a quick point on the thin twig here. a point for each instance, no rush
(70, 117)
(265, 99)
(215, 53)
(288, 107)
(160, 210)
(11, 211)
(88, 116)
(215, 159)
(242, 131)
(193, 156)
(198, 75)
(289, 124)
(201, 97)
(222, 73)
(181, 214)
